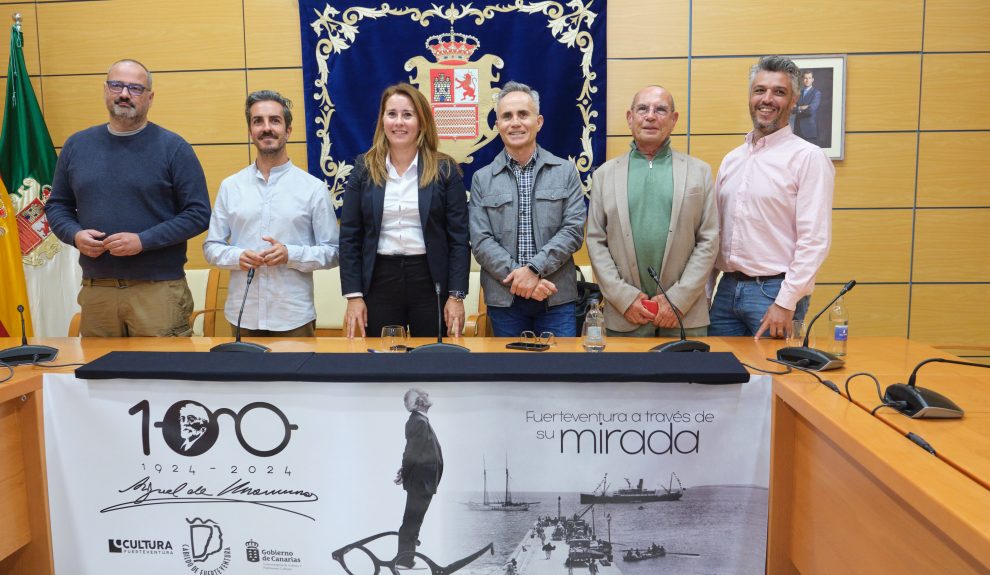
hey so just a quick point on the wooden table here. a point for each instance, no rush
(849, 493)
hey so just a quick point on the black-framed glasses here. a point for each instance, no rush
(546, 337)
(357, 559)
(117, 87)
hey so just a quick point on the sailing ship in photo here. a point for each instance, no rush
(636, 494)
(493, 504)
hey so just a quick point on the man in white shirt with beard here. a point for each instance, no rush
(276, 219)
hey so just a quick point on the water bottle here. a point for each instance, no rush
(839, 318)
(593, 331)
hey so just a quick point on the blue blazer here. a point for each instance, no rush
(443, 215)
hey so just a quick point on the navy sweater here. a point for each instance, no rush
(150, 183)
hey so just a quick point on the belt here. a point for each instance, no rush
(107, 282)
(741, 277)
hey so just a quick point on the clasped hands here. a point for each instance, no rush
(637, 313)
(524, 283)
(276, 255)
(92, 243)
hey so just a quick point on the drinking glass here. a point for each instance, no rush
(393, 338)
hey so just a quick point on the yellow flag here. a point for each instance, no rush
(14, 290)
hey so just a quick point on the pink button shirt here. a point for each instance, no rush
(775, 211)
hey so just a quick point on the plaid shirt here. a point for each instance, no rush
(526, 241)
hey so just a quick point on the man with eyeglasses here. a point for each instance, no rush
(774, 196)
(129, 194)
(527, 220)
(419, 475)
(276, 219)
(653, 207)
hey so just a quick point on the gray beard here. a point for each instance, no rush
(124, 113)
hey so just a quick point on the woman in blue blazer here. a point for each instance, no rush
(404, 226)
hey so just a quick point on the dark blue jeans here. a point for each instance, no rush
(535, 316)
(739, 306)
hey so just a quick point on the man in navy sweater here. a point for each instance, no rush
(128, 194)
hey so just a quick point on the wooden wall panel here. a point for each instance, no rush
(954, 92)
(203, 107)
(272, 33)
(626, 77)
(713, 149)
(882, 92)
(788, 27)
(86, 37)
(719, 96)
(76, 102)
(647, 28)
(874, 310)
(878, 171)
(957, 25)
(953, 169)
(951, 246)
(869, 246)
(950, 313)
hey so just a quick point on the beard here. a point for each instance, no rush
(123, 112)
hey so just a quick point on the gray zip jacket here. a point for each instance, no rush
(558, 225)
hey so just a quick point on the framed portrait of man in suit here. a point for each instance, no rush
(819, 114)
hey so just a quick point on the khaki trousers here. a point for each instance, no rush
(135, 308)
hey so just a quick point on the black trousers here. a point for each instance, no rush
(402, 293)
(417, 502)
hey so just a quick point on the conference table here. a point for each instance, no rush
(849, 492)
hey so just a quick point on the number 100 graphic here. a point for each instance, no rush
(189, 428)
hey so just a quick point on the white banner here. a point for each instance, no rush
(172, 477)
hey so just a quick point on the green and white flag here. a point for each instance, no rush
(27, 164)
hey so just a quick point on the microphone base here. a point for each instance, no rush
(682, 345)
(809, 358)
(922, 403)
(241, 347)
(440, 348)
(28, 354)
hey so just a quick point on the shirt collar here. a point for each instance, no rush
(275, 173)
(393, 173)
(770, 140)
(530, 162)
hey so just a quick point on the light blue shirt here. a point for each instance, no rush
(292, 207)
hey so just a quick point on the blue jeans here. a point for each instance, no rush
(738, 307)
(535, 316)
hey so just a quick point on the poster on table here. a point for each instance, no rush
(172, 477)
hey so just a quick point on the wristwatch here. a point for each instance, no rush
(457, 295)
(535, 270)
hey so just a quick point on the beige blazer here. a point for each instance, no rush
(692, 242)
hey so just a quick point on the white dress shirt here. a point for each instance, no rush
(402, 229)
(292, 207)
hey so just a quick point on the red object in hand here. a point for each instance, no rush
(651, 306)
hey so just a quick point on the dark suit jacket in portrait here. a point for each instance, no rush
(443, 215)
(422, 460)
(805, 123)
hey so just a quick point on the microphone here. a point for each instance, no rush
(439, 346)
(237, 344)
(684, 344)
(808, 357)
(922, 403)
(25, 353)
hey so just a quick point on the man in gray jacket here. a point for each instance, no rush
(527, 220)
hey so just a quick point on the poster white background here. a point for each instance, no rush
(332, 482)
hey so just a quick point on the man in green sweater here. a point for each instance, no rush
(653, 208)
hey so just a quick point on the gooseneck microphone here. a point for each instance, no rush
(922, 403)
(683, 344)
(808, 357)
(25, 353)
(439, 346)
(238, 345)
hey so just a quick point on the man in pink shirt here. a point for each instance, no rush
(774, 196)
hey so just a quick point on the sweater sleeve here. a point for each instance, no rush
(192, 201)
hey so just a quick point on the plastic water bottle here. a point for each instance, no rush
(593, 331)
(839, 318)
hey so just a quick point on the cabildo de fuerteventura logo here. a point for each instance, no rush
(205, 554)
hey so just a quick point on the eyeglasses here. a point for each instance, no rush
(117, 87)
(545, 337)
(358, 563)
(643, 110)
